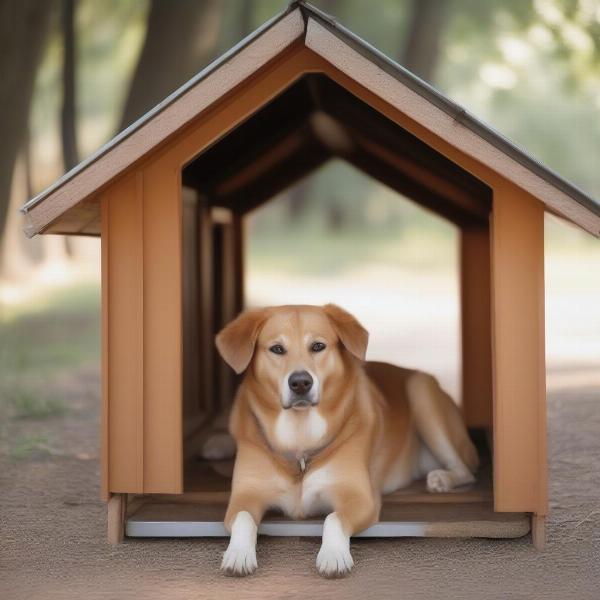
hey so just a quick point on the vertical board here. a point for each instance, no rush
(163, 463)
(191, 347)
(520, 456)
(239, 232)
(205, 304)
(123, 325)
(476, 330)
(104, 443)
(225, 295)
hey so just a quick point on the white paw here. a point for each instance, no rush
(239, 560)
(334, 558)
(240, 556)
(334, 562)
(218, 447)
(439, 481)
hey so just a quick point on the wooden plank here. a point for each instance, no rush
(206, 305)
(239, 268)
(476, 336)
(224, 288)
(116, 510)
(414, 520)
(105, 270)
(162, 268)
(191, 339)
(538, 532)
(125, 330)
(520, 455)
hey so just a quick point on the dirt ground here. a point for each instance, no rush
(52, 534)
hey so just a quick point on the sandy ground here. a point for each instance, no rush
(52, 534)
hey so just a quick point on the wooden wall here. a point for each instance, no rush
(142, 301)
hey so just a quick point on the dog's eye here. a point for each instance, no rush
(318, 347)
(277, 349)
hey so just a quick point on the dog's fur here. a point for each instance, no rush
(368, 429)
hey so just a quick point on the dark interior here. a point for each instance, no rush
(278, 145)
(312, 121)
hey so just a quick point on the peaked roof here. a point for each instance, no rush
(362, 62)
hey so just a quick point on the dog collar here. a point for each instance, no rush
(302, 460)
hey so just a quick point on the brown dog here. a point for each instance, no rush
(318, 433)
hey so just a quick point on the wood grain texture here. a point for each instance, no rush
(476, 519)
(538, 532)
(162, 350)
(125, 330)
(104, 436)
(116, 509)
(476, 332)
(520, 461)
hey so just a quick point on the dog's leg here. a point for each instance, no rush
(247, 505)
(244, 514)
(355, 508)
(442, 430)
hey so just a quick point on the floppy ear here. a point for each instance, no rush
(236, 341)
(352, 334)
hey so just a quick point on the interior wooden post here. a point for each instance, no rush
(205, 304)
(476, 329)
(239, 249)
(520, 455)
(193, 409)
(226, 296)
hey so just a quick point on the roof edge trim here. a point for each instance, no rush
(159, 108)
(458, 114)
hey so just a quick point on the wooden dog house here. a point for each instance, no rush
(168, 198)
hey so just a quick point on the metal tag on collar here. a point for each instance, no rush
(302, 462)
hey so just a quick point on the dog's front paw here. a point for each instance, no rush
(239, 560)
(439, 481)
(334, 561)
(240, 556)
(334, 558)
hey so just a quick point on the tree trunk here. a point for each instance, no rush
(180, 39)
(23, 30)
(421, 50)
(69, 102)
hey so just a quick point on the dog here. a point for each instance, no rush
(320, 432)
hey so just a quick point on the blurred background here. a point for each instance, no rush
(73, 73)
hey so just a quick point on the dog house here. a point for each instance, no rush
(168, 197)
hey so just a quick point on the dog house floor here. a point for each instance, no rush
(199, 512)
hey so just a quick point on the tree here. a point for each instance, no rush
(68, 112)
(421, 49)
(180, 39)
(24, 26)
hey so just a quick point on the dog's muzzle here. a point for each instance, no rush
(301, 393)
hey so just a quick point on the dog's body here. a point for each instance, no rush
(319, 433)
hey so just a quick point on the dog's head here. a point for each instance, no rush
(294, 352)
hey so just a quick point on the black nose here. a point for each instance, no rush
(300, 382)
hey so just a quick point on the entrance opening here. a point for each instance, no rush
(317, 198)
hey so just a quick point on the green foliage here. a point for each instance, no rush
(56, 331)
(29, 404)
(27, 446)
